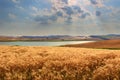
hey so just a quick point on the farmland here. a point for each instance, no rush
(58, 63)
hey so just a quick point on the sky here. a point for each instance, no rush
(59, 17)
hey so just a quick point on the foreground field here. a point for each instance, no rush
(58, 63)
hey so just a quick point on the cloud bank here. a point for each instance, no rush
(68, 10)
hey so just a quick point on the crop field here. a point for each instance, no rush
(58, 63)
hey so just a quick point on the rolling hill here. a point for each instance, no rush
(99, 44)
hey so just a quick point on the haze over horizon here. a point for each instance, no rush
(59, 17)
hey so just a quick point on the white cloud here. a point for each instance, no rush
(12, 16)
(20, 7)
(34, 9)
(72, 2)
(68, 10)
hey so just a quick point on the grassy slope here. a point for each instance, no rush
(58, 63)
(100, 44)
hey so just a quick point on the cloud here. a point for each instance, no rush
(60, 14)
(84, 15)
(12, 16)
(98, 13)
(68, 10)
(20, 7)
(77, 9)
(65, 1)
(42, 19)
(97, 3)
(94, 1)
(34, 8)
(53, 17)
(45, 19)
(69, 20)
(72, 2)
(16, 1)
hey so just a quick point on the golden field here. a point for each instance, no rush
(58, 63)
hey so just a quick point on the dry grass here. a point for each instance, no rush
(58, 63)
(113, 44)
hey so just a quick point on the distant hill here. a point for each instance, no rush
(106, 37)
(45, 38)
(99, 44)
(60, 38)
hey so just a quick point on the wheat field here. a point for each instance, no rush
(58, 63)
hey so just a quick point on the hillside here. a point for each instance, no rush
(106, 37)
(98, 44)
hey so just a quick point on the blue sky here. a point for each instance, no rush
(59, 17)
